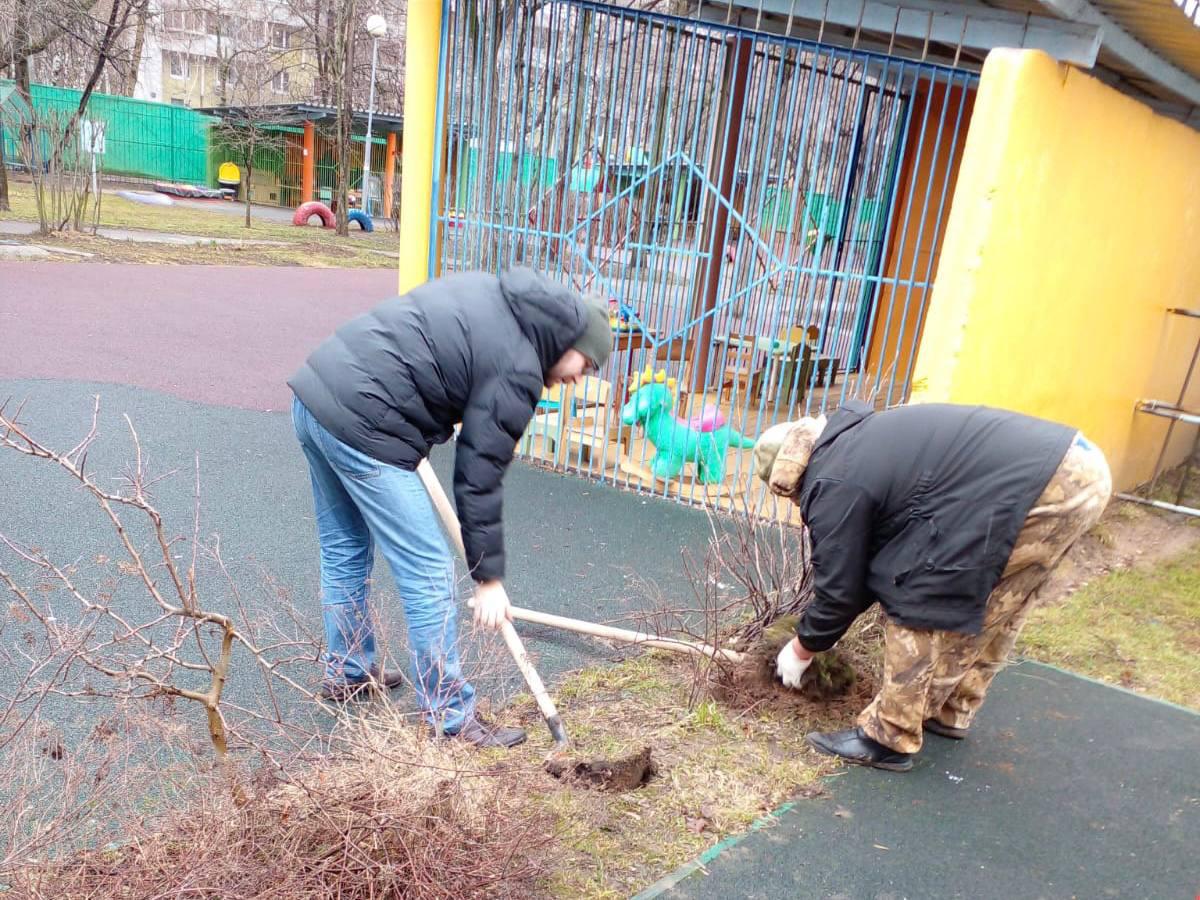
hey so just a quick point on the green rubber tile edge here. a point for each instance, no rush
(1108, 684)
(667, 882)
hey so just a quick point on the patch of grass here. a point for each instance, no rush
(117, 212)
(1139, 628)
(1168, 488)
(707, 714)
(719, 771)
(314, 254)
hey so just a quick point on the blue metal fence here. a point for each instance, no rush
(763, 213)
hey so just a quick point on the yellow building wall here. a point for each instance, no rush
(201, 87)
(1075, 226)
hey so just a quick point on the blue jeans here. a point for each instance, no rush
(360, 501)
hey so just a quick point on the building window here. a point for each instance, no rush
(279, 37)
(191, 21)
(281, 82)
(177, 64)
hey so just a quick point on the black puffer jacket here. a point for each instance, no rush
(470, 348)
(919, 507)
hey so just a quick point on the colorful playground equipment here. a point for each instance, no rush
(363, 220)
(620, 316)
(703, 440)
(229, 179)
(306, 211)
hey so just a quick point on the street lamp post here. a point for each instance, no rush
(376, 28)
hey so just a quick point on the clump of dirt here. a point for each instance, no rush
(616, 775)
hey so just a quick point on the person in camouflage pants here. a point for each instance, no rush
(951, 518)
(939, 678)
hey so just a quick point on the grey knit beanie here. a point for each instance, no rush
(597, 339)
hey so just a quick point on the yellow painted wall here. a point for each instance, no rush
(1075, 225)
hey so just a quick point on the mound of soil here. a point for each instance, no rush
(605, 774)
(839, 681)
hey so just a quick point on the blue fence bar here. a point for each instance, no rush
(762, 213)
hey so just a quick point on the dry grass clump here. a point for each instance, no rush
(394, 813)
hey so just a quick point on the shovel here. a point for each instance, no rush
(513, 640)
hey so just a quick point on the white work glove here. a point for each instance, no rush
(790, 667)
(491, 605)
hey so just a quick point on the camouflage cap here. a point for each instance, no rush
(781, 454)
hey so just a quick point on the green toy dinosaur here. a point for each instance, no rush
(703, 440)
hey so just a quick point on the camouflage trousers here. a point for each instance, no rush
(945, 675)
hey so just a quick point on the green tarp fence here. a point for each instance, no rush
(141, 138)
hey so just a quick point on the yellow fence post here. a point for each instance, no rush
(423, 34)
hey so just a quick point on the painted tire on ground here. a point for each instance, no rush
(306, 211)
(363, 220)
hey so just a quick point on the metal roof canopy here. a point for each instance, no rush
(1147, 41)
(930, 25)
(299, 113)
(1094, 35)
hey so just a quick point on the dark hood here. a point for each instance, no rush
(842, 419)
(550, 314)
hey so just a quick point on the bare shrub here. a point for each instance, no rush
(393, 814)
(177, 646)
(112, 791)
(750, 588)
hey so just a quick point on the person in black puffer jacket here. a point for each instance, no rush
(951, 518)
(370, 402)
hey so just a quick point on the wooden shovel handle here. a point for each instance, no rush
(512, 640)
(624, 635)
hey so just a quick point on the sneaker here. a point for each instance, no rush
(483, 734)
(855, 747)
(345, 691)
(946, 731)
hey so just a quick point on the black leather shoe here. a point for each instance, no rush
(855, 747)
(485, 735)
(345, 691)
(946, 731)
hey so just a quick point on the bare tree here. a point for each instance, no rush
(342, 72)
(251, 128)
(319, 38)
(334, 37)
(176, 646)
(133, 67)
(230, 36)
(57, 41)
(48, 142)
